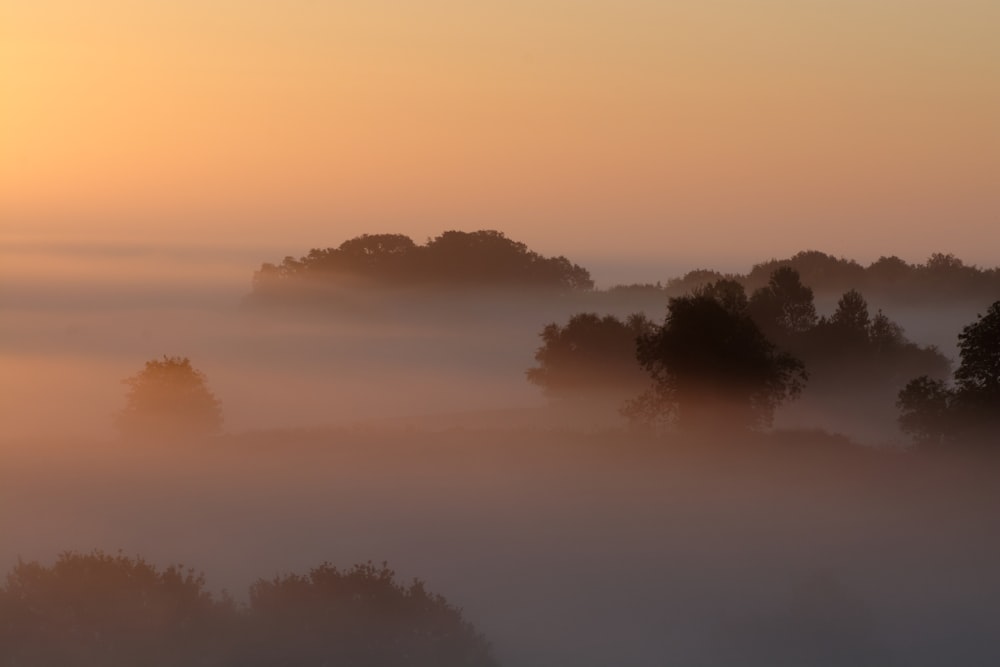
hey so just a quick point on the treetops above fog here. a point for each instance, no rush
(489, 259)
(454, 258)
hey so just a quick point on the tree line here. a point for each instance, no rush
(940, 278)
(489, 259)
(485, 258)
(721, 359)
(116, 611)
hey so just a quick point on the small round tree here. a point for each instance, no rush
(169, 398)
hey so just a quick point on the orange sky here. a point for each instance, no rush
(628, 127)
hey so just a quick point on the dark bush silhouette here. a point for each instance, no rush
(932, 412)
(454, 259)
(712, 366)
(90, 610)
(169, 398)
(98, 609)
(590, 355)
(360, 616)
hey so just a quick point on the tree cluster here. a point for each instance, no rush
(941, 278)
(116, 611)
(721, 357)
(590, 355)
(934, 412)
(712, 366)
(454, 259)
(849, 347)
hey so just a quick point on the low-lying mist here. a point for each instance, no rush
(566, 538)
(564, 548)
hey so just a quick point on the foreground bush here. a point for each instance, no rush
(109, 611)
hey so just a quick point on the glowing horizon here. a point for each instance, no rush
(632, 128)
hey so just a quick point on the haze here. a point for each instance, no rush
(154, 154)
(632, 129)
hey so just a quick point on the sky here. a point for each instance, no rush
(722, 131)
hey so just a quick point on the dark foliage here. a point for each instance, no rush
(817, 269)
(932, 412)
(712, 366)
(926, 410)
(847, 348)
(454, 259)
(942, 276)
(784, 307)
(169, 398)
(359, 616)
(99, 610)
(590, 355)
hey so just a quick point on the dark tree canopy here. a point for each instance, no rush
(784, 307)
(114, 611)
(359, 616)
(590, 355)
(932, 412)
(979, 348)
(713, 367)
(850, 346)
(852, 318)
(926, 410)
(454, 259)
(817, 269)
(169, 398)
(90, 610)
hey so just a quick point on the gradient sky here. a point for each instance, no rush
(625, 128)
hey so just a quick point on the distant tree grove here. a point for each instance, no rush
(724, 359)
(485, 258)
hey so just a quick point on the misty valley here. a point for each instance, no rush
(464, 452)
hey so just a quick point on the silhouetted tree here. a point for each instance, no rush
(711, 366)
(852, 318)
(926, 410)
(784, 307)
(889, 272)
(113, 611)
(729, 294)
(454, 259)
(693, 280)
(590, 355)
(169, 398)
(360, 616)
(933, 412)
(97, 610)
(978, 375)
(817, 269)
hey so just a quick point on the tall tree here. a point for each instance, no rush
(784, 307)
(712, 366)
(931, 411)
